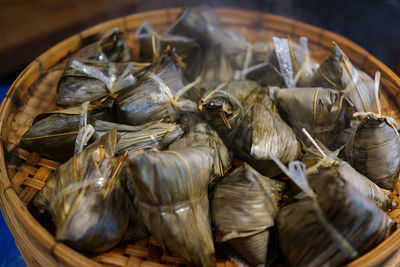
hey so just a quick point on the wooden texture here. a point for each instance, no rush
(34, 92)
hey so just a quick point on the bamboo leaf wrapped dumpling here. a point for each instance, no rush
(331, 227)
(215, 66)
(319, 164)
(152, 97)
(202, 134)
(244, 207)
(291, 58)
(233, 45)
(86, 80)
(373, 149)
(261, 132)
(153, 44)
(338, 72)
(84, 196)
(264, 73)
(93, 214)
(154, 135)
(319, 110)
(171, 195)
(329, 73)
(195, 24)
(203, 26)
(111, 47)
(223, 104)
(53, 134)
(303, 66)
(65, 174)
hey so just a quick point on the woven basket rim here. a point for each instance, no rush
(255, 18)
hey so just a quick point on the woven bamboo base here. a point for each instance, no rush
(34, 92)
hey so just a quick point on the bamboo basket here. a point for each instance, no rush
(23, 174)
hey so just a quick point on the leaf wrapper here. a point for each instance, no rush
(201, 134)
(262, 131)
(374, 150)
(319, 166)
(89, 207)
(171, 195)
(244, 207)
(224, 108)
(319, 110)
(86, 80)
(305, 239)
(151, 99)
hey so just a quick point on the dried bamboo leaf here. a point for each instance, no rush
(223, 104)
(53, 134)
(320, 231)
(338, 72)
(152, 98)
(265, 74)
(84, 195)
(171, 195)
(111, 47)
(215, 66)
(138, 138)
(318, 166)
(244, 207)
(85, 80)
(374, 149)
(319, 110)
(262, 132)
(201, 134)
(195, 24)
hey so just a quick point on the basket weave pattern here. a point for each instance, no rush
(23, 173)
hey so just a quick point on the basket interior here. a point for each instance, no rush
(34, 92)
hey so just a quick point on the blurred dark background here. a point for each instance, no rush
(30, 27)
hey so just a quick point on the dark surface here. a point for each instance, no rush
(9, 254)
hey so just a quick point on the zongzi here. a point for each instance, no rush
(89, 207)
(157, 44)
(264, 73)
(154, 135)
(111, 47)
(195, 24)
(53, 134)
(223, 104)
(215, 66)
(319, 110)
(332, 226)
(171, 195)
(84, 80)
(152, 97)
(202, 134)
(320, 161)
(374, 149)
(244, 207)
(337, 72)
(261, 132)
